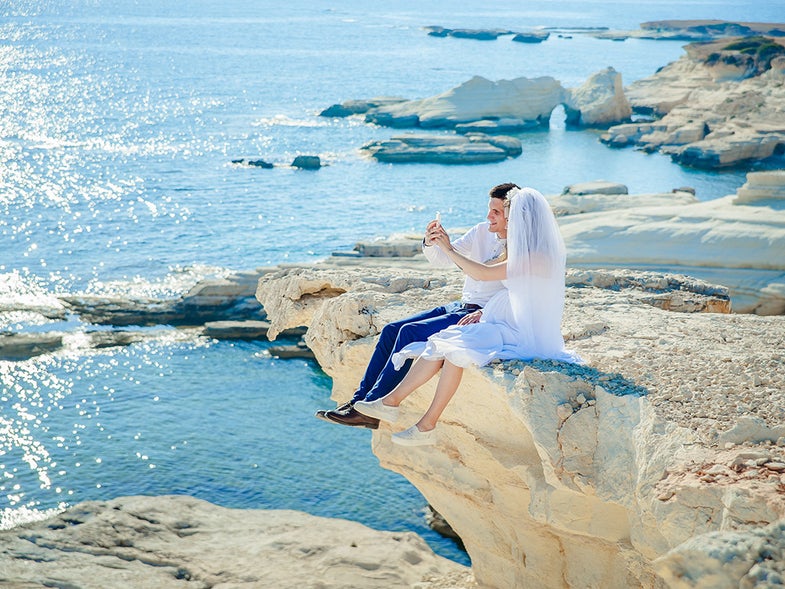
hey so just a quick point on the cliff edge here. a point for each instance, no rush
(626, 472)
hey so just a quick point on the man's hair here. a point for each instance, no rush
(501, 190)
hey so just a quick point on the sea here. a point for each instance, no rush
(119, 123)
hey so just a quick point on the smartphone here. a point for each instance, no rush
(438, 218)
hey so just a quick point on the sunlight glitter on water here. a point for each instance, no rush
(53, 425)
(30, 395)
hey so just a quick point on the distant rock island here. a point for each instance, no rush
(480, 108)
(720, 105)
(704, 30)
(671, 30)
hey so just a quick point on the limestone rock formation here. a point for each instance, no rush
(529, 99)
(595, 187)
(714, 113)
(476, 34)
(570, 203)
(472, 148)
(221, 308)
(213, 299)
(531, 37)
(20, 346)
(355, 107)
(697, 30)
(736, 241)
(728, 559)
(177, 541)
(767, 188)
(503, 125)
(501, 106)
(674, 29)
(599, 101)
(575, 476)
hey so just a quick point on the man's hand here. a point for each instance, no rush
(432, 231)
(470, 318)
(436, 235)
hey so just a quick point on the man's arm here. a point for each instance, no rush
(470, 267)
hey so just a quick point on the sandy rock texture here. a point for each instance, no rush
(715, 107)
(737, 241)
(720, 560)
(179, 541)
(560, 475)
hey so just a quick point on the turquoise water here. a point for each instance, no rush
(118, 124)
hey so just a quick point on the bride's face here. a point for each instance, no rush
(496, 217)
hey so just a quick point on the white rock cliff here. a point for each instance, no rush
(566, 476)
(737, 240)
(714, 114)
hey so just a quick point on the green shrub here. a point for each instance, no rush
(762, 49)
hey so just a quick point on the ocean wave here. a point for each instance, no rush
(11, 518)
(178, 281)
(23, 291)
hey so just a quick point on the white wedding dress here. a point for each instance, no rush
(523, 320)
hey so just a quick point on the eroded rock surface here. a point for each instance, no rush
(714, 112)
(600, 101)
(574, 476)
(499, 106)
(178, 541)
(735, 240)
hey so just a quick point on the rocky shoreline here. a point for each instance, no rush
(718, 106)
(661, 463)
(217, 308)
(668, 443)
(633, 468)
(626, 472)
(603, 226)
(179, 541)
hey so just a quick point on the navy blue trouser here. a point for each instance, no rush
(381, 376)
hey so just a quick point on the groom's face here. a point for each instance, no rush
(496, 217)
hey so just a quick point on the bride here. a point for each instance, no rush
(521, 321)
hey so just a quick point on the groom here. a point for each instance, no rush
(482, 242)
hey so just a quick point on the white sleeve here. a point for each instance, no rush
(464, 245)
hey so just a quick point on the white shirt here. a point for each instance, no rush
(477, 244)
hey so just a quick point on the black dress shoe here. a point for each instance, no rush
(322, 413)
(353, 418)
(346, 407)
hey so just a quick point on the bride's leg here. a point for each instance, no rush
(421, 372)
(445, 389)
